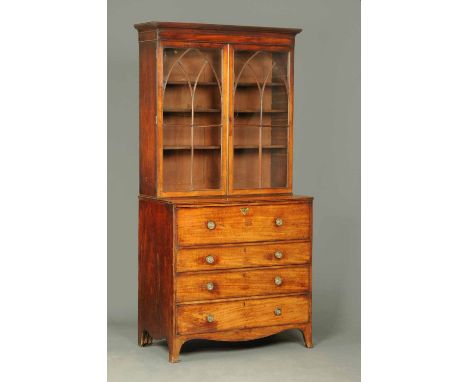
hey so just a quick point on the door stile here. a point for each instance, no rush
(225, 72)
(159, 119)
(230, 108)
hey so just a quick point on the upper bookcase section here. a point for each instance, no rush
(216, 109)
(155, 30)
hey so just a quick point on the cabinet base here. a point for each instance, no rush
(176, 343)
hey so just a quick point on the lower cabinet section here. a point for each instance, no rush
(242, 314)
(223, 269)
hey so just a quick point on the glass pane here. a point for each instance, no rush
(261, 119)
(192, 127)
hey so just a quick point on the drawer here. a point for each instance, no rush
(238, 224)
(243, 314)
(227, 284)
(211, 258)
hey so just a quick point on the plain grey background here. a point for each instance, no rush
(326, 137)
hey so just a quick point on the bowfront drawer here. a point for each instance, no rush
(211, 258)
(203, 318)
(218, 285)
(217, 225)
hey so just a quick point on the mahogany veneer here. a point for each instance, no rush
(245, 256)
(225, 248)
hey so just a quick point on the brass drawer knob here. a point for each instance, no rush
(278, 280)
(277, 311)
(279, 222)
(209, 318)
(209, 286)
(211, 224)
(209, 259)
(278, 254)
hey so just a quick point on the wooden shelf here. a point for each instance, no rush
(258, 111)
(190, 110)
(188, 147)
(249, 84)
(255, 147)
(219, 110)
(188, 126)
(237, 147)
(242, 125)
(213, 83)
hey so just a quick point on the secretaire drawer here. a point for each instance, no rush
(227, 284)
(211, 258)
(203, 318)
(217, 225)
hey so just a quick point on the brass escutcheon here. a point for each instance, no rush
(245, 210)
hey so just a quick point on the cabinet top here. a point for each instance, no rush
(153, 25)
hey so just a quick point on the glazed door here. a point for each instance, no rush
(191, 119)
(261, 120)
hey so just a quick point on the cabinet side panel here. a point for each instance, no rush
(311, 262)
(154, 256)
(148, 118)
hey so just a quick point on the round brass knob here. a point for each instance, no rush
(277, 311)
(209, 259)
(209, 318)
(209, 286)
(279, 222)
(278, 254)
(211, 224)
(278, 280)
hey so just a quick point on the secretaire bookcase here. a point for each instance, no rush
(225, 248)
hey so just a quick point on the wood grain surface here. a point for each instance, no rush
(226, 257)
(155, 276)
(257, 282)
(242, 314)
(232, 226)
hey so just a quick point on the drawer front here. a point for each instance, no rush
(211, 317)
(217, 225)
(218, 285)
(202, 259)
